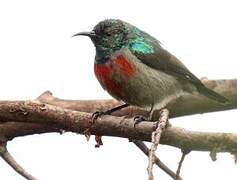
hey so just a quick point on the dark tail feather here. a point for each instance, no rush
(212, 94)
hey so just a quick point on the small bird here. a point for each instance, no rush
(133, 67)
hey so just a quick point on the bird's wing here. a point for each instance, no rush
(164, 61)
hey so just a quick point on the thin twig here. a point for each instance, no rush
(141, 145)
(155, 139)
(184, 153)
(11, 161)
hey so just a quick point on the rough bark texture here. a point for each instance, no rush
(187, 105)
(50, 114)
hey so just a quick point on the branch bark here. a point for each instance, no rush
(155, 139)
(50, 114)
(51, 118)
(187, 105)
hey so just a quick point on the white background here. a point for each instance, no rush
(37, 53)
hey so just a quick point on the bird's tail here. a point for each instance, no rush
(212, 94)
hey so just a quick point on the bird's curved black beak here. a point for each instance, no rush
(89, 34)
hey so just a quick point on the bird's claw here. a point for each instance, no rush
(96, 115)
(138, 119)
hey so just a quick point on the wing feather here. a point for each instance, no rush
(164, 61)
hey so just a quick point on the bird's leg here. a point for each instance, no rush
(140, 118)
(97, 114)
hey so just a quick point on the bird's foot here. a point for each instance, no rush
(138, 119)
(87, 132)
(96, 115)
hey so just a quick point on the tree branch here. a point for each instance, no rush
(157, 161)
(155, 139)
(187, 105)
(11, 161)
(50, 114)
(184, 153)
(75, 121)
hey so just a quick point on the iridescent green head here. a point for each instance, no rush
(111, 35)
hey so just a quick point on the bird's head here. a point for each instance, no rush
(108, 36)
(111, 35)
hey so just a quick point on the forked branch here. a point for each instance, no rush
(49, 114)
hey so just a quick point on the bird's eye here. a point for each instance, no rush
(96, 31)
(99, 28)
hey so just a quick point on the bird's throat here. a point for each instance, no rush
(103, 54)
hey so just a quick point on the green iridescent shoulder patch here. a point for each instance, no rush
(139, 44)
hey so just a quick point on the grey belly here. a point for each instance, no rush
(149, 87)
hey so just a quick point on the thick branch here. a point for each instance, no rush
(19, 118)
(10, 130)
(187, 105)
(75, 121)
